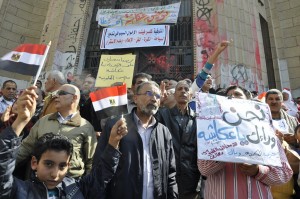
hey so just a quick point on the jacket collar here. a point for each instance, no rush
(74, 121)
(190, 112)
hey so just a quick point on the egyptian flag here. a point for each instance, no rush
(110, 101)
(25, 59)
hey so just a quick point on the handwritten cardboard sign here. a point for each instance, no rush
(235, 130)
(141, 16)
(135, 36)
(115, 68)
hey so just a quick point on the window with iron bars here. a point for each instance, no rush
(173, 62)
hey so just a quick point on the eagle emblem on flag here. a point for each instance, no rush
(15, 57)
(112, 102)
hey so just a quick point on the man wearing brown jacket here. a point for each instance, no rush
(54, 80)
(68, 122)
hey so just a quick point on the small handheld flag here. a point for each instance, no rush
(110, 101)
(26, 59)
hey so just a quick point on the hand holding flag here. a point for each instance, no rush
(110, 101)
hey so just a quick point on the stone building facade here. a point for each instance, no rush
(265, 34)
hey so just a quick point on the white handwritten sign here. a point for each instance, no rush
(141, 16)
(135, 36)
(281, 126)
(235, 130)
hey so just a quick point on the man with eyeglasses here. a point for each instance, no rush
(68, 122)
(146, 168)
(9, 91)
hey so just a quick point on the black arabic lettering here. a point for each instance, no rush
(256, 137)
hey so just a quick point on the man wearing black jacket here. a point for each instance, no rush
(181, 121)
(146, 169)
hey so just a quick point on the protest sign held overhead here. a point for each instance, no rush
(235, 130)
(141, 16)
(115, 68)
(135, 36)
(110, 101)
(25, 60)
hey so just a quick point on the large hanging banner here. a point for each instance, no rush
(235, 130)
(135, 36)
(141, 16)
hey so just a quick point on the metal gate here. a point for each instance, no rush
(173, 62)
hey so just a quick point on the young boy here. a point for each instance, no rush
(50, 161)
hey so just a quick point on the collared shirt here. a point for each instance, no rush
(226, 181)
(145, 133)
(4, 104)
(63, 120)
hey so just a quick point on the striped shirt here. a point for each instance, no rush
(226, 181)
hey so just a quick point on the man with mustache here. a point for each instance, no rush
(180, 119)
(146, 169)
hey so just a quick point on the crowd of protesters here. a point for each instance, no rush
(52, 145)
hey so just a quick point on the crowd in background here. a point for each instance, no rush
(158, 135)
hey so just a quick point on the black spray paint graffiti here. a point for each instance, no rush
(73, 49)
(82, 4)
(44, 32)
(74, 31)
(239, 74)
(203, 12)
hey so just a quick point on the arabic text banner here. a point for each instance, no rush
(235, 130)
(115, 68)
(135, 36)
(141, 16)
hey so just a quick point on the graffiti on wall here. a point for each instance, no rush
(243, 67)
(205, 26)
(241, 75)
(72, 38)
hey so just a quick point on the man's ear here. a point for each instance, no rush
(34, 163)
(135, 98)
(75, 97)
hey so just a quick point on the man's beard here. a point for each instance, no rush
(149, 110)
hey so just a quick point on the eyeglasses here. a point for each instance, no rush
(61, 92)
(150, 94)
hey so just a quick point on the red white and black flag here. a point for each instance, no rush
(25, 59)
(110, 101)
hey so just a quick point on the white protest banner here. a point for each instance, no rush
(135, 36)
(235, 130)
(281, 126)
(141, 16)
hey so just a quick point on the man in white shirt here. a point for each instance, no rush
(9, 91)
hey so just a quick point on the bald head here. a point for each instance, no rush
(72, 89)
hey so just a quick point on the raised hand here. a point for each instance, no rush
(7, 114)
(118, 131)
(26, 108)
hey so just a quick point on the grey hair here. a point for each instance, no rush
(144, 83)
(274, 91)
(58, 76)
(183, 82)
